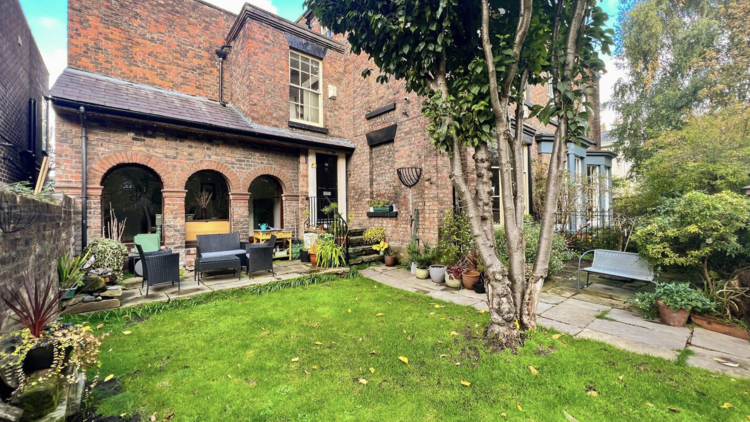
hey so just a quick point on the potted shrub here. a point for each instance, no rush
(330, 254)
(390, 257)
(437, 270)
(70, 272)
(423, 260)
(453, 276)
(672, 302)
(413, 252)
(381, 204)
(312, 253)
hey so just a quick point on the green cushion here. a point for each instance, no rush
(149, 242)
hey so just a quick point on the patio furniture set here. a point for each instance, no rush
(214, 252)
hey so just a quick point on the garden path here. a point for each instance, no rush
(600, 313)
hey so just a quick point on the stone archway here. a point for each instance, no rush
(104, 164)
(233, 180)
(282, 178)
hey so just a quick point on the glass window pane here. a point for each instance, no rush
(294, 77)
(305, 66)
(314, 99)
(294, 95)
(294, 64)
(315, 83)
(314, 115)
(315, 67)
(293, 111)
(293, 55)
(305, 80)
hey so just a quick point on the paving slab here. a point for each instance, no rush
(471, 294)
(559, 326)
(562, 291)
(550, 298)
(601, 300)
(575, 312)
(720, 343)
(609, 291)
(452, 297)
(704, 358)
(633, 318)
(482, 305)
(642, 335)
(629, 345)
(542, 306)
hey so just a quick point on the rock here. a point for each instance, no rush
(75, 300)
(42, 398)
(9, 413)
(93, 284)
(89, 298)
(112, 291)
(93, 306)
(98, 298)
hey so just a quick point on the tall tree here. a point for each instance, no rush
(681, 58)
(470, 60)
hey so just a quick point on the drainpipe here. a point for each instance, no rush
(84, 182)
(222, 53)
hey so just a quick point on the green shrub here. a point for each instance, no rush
(676, 296)
(456, 240)
(645, 304)
(560, 252)
(109, 254)
(374, 235)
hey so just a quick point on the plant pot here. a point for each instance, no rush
(469, 278)
(423, 273)
(383, 209)
(313, 260)
(452, 282)
(718, 326)
(670, 317)
(69, 293)
(304, 256)
(390, 260)
(413, 268)
(437, 273)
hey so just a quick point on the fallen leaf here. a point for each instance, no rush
(453, 333)
(229, 376)
(109, 377)
(481, 312)
(620, 378)
(437, 306)
(372, 370)
(443, 356)
(673, 410)
(295, 359)
(262, 329)
(350, 311)
(593, 393)
(403, 359)
(556, 336)
(363, 381)
(153, 417)
(569, 417)
(126, 332)
(307, 372)
(505, 415)
(373, 353)
(518, 405)
(315, 367)
(100, 326)
(378, 315)
(466, 383)
(649, 404)
(169, 417)
(727, 405)
(318, 343)
(745, 393)
(533, 370)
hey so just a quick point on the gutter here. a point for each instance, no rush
(288, 140)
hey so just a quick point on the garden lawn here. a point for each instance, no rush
(302, 353)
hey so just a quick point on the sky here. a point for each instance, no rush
(48, 22)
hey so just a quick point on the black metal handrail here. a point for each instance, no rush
(331, 222)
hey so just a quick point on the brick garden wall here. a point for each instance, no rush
(36, 248)
(22, 76)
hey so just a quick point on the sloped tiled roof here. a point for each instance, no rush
(118, 95)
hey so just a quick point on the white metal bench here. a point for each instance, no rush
(619, 264)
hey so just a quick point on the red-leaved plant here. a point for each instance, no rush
(34, 304)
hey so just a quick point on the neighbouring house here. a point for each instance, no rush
(23, 107)
(620, 166)
(264, 119)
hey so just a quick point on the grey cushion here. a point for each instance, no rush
(223, 253)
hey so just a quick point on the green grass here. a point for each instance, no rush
(230, 359)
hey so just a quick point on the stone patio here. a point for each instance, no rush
(134, 295)
(599, 313)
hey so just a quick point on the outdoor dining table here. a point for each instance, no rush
(283, 235)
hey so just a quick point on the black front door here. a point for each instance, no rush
(327, 178)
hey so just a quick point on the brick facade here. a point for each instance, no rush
(170, 44)
(23, 77)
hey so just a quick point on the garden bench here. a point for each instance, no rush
(212, 246)
(619, 264)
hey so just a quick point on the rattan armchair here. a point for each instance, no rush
(159, 267)
(260, 256)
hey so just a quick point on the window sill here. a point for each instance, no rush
(311, 128)
(392, 214)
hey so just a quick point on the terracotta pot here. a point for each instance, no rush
(313, 259)
(469, 278)
(390, 260)
(437, 273)
(670, 317)
(718, 326)
(423, 273)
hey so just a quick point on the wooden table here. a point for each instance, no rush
(283, 235)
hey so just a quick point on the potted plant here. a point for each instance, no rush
(381, 204)
(672, 302)
(312, 253)
(469, 278)
(453, 276)
(390, 257)
(413, 252)
(423, 260)
(70, 272)
(437, 270)
(330, 254)
(374, 235)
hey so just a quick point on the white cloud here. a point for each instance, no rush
(56, 61)
(607, 88)
(235, 6)
(49, 23)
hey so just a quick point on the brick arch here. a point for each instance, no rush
(104, 164)
(281, 177)
(233, 181)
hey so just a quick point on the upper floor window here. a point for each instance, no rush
(305, 81)
(550, 90)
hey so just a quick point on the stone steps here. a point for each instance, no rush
(365, 259)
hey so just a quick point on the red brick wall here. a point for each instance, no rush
(163, 43)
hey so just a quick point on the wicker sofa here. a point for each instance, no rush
(253, 256)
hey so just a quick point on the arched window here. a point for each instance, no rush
(265, 203)
(207, 197)
(133, 194)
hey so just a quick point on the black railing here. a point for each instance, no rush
(323, 217)
(588, 229)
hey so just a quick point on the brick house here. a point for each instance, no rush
(23, 107)
(177, 99)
